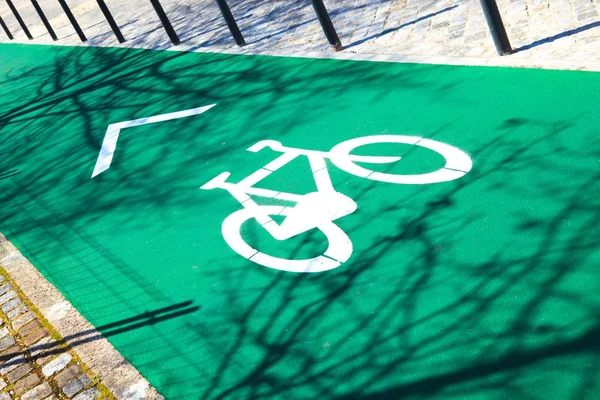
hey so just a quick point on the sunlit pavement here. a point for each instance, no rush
(558, 34)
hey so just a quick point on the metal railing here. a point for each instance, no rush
(490, 10)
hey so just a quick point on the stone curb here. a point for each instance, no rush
(506, 61)
(118, 375)
(545, 33)
(496, 61)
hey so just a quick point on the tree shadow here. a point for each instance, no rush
(397, 314)
(482, 287)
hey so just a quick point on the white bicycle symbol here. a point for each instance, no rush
(319, 209)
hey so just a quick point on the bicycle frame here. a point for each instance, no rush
(242, 190)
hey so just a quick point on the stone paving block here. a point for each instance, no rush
(9, 353)
(10, 305)
(77, 385)
(2, 384)
(588, 39)
(26, 383)
(30, 327)
(8, 296)
(588, 14)
(67, 375)
(6, 342)
(460, 19)
(454, 27)
(3, 332)
(12, 364)
(89, 394)
(39, 350)
(39, 392)
(57, 364)
(5, 288)
(4, 396)
(23, 320)
(582, 6)
(19, 372)
(21, 309)
(476, 51)
(35, 336)
(44, 359)
(456, 35)
(475, 37)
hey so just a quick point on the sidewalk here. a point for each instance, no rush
(47, 349)
(35, 362)
(561, 33)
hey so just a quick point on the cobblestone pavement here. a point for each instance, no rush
(538, 29)
(34, 363)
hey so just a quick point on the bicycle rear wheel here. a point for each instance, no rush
(338, 251)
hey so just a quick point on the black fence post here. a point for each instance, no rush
(38, 9)
(494, 21)
(327, 25)
(73, 21)
(231, 24)
(165, 22)
(19, 19)
(10, 36)
(111, 21)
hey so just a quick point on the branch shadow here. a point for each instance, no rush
(430, 307)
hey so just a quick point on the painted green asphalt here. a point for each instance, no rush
(484, 287)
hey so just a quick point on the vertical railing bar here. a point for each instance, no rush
(10, 36)
(45, 21)
(19, 19)
(73, 21)
(165, 22)
(231, 24)
(497, 30)
(326, 24)
(111, 21)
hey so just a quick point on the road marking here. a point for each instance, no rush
(319, 209)
(112, 134)
(338, 251)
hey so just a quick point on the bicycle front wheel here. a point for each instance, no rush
(458, 163)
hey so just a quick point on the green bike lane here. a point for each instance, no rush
(482, 287)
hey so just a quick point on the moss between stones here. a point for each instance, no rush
(105, 393)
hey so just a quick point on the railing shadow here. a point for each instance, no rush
(390, 30)
(9, 174)
(55, 347)
(551, 39)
